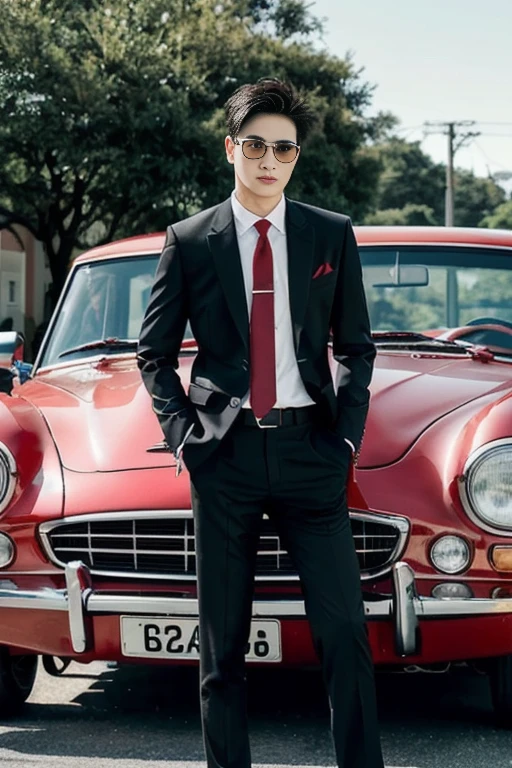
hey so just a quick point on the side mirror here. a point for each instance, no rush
(403, 276)
(12, 347)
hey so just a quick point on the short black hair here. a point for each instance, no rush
(267, 96)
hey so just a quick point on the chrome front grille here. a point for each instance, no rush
(161, 545)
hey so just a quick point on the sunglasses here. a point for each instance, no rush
(255, 149)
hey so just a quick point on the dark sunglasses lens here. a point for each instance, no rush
(286, 153)
(253, 150)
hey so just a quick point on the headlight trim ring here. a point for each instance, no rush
(11, 472)
(472, 462)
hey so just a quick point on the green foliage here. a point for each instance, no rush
(409, 215)
(475, 198)
(111, 112)
(501, 218)
(411, 177)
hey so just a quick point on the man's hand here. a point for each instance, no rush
(179, 450)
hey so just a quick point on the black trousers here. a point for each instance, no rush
(297, 475)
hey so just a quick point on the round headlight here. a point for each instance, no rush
(7, 476)
(6, 550)
(450, 554)
(487, 484)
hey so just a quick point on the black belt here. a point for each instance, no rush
(279, 417)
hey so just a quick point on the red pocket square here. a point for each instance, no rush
(323, 269)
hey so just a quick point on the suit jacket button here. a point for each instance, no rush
(234, 402)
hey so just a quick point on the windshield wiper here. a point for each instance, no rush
(112, 342)
(418, 341)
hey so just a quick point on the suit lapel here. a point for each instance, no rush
(301, 246)
(223, 245)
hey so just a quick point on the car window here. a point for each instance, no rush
(461, 285)
(104, 299)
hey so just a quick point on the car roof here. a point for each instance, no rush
(494, 238)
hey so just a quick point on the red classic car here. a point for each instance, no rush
(97, 557)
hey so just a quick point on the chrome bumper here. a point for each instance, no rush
(404, 606)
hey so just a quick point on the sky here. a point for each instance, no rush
(431, 61)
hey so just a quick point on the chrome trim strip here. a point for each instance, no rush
(40, 599)
(400, 523)
(118, 536)
(78, 591)
(404, 606)
(12, 479)
(184, 607)
(80, 600)
(136, 514)
(462, 485)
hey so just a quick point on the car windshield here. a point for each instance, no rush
(102, 309)
(423, 289)
(415, 289)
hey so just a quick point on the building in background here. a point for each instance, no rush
(24, 282)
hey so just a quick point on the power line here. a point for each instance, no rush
(502, 135)
(496, 122)
(410, 128)
(488, 159)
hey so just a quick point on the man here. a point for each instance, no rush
(262, 281)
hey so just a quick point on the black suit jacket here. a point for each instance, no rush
(199, 278)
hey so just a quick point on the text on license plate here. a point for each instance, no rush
(168, 638)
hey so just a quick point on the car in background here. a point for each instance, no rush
(97, 548)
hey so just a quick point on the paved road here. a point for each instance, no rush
(136, 717)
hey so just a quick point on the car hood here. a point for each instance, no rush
(411, 392)
(100, 415)
(101, 418)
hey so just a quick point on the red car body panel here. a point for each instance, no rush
(47, 632)
(107, 398)
(464, 236)
(81, 432)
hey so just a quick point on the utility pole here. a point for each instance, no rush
(448, 204)
(450, 130)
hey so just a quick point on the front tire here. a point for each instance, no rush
(17, 678)
(500, 678)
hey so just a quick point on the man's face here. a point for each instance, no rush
(266, 177)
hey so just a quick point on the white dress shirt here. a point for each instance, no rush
(291, 392)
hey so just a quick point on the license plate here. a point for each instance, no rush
(159, 638)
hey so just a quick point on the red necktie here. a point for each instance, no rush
(262, 338)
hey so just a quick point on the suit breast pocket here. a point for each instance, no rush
(324, 280)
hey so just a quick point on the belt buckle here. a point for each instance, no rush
(269, 426)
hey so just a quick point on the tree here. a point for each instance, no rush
(110, 113)
(475, 198)
(409, 176)
(501, 218)
(409, 215)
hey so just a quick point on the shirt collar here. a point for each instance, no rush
(244, 219)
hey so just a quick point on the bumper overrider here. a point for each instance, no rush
(404, 607)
